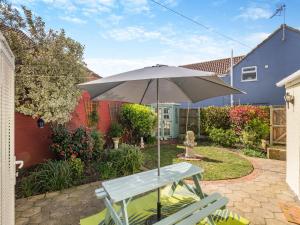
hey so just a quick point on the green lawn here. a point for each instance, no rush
(218, 163)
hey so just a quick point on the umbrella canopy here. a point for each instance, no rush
(176, 84)
(159, 83)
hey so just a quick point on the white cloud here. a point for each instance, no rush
(63, 4)
(255, 38)
(172, 48)
(112, 19)
(110, 66)
(73, 19)
(254, 13)
(135, 6)
(132, 33)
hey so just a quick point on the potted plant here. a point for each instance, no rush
(115, 132)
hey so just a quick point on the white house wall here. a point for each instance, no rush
(293, 138)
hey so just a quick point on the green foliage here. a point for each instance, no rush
(249, 139)
(226, 138)
(106, 170)
(115, 130)
(241, 115)
(28, 186)
(98, 144)
(82, 143)
(93, 117)
(254, 153)
(77, 168)
(138, 120)
(48, 65)
(214, 117)
(150, 140)
(67, 144)
(258, 126)
(255, 130)
(125, 160)
(53, 176)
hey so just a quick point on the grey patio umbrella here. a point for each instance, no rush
(156, 84)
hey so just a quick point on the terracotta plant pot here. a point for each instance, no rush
(116, 141)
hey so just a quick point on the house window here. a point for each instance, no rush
(249, 73)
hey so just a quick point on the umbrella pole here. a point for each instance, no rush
(158, 151)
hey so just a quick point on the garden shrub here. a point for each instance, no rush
(53, 176)
(115, 130)
(215, 117)
(67, 145)
(240, 116)
(106, 170)
(125, 160)
(98, 144)
(226, 138)
(138, 120)
(77, 169)
(254, 153)
(249, 139)
(28, 187)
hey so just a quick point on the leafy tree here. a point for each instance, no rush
(48, 65)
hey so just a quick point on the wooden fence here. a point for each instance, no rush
(277, 125)
(189, 119)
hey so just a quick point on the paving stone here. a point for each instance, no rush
(275, 222)
(24, 206)
(31, 211)
(52, 194)
(255, 197)
(36, 197)
(22, 221)
(251, 202)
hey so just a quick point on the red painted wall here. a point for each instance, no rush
(32, 143)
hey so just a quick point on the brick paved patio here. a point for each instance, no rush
(255, 197)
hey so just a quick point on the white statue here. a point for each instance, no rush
(189, 144)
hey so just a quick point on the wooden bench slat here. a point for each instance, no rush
(185, 212)
(204, 212)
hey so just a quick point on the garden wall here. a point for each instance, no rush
(32, 143)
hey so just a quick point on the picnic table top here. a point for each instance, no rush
(126, 187)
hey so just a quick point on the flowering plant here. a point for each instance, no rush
(240, 116)
(70, 145)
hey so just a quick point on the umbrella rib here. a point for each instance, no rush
(146, 89)
(122, 82)
(180, 89)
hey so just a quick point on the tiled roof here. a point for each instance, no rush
(92, 75)
(219, 66)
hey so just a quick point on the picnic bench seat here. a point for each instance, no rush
(196, 212)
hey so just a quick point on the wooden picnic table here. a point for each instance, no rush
(123, 189)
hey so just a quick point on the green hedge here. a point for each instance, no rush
(229, 126)
(138, 121)
(214, 117)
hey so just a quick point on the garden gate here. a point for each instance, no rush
(7, 155)
(277, 125)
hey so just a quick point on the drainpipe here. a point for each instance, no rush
(231, 76)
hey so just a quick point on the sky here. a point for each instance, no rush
(121, 35)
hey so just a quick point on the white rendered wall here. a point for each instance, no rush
(293, 138)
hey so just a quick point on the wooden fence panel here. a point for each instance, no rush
(193, 118)
(277, 125)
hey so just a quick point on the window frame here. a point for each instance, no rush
(243, 72)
